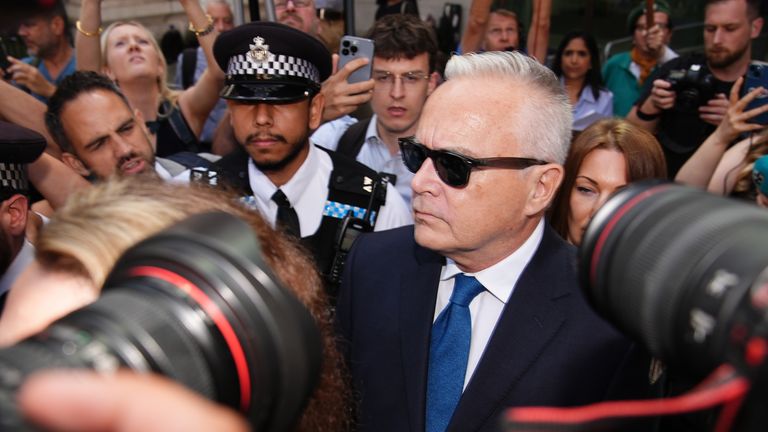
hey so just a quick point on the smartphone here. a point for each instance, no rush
(352, 47)
(4, 62)
(757, 76)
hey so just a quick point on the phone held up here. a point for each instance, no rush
(757, 76)
(351, 48)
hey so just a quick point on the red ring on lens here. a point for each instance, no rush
(219, 319)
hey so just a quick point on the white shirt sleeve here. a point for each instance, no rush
(394, 213)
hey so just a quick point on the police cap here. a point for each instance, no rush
(19, 146)
(271, 62)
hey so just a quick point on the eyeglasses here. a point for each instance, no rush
(282, 4)
(454, 168)
(409, 79)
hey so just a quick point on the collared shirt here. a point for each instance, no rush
(374, 153)
(24, 258)
(621, 75)
(588, 109)
(499, 281)
(307, 191)
(68, 69)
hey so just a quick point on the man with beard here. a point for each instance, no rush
(100, 135)
(273, 93)
(679, 102)
(404, 73)
(47, 36)
(18, 224)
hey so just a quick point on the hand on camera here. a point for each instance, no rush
(735, 121)
(662, 96)
(342, 97)
(714, 111)
(30, 77)
(127, 402)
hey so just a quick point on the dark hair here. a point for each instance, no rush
(68, 90)
(641, 150)
(403, 36)
(594, 78)
(56, 9)
(753, 7)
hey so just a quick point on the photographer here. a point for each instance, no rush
(685, 100)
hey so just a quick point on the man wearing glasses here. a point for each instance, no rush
(477, 308)
(404, 76)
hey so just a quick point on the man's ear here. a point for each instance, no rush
(434, 77)
(316, 105)
(15, 211)
(546, 181)
(75, 164)
(57, 26)
(756, 27)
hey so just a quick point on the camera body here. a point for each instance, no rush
(693, 86)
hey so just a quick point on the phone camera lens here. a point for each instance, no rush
(344, 51)
(354, 49)
(345, 44)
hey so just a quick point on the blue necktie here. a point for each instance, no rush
(448, 353)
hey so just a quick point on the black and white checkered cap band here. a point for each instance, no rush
(12, 176)
(242, 65)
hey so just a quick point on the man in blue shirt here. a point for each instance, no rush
(51, 56)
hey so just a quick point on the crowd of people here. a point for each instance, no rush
(428, 218)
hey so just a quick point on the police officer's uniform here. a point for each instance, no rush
(272, 63)
(18, 147)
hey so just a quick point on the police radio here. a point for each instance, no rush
(350, 228)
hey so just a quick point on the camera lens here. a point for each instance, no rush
(681, 270)
(354, 49)
(197, 304)
(344, 51)
(345, 43)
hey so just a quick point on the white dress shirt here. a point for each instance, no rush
(374, 153)
(499, 281)
(307, 191)
(25, 257)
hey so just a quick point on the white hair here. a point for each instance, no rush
(546, 132)
(221, 2)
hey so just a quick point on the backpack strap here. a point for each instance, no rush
(180, 127)
(188, 63)
(353, 139)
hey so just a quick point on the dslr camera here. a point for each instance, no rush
(195, 303)
(693, 87)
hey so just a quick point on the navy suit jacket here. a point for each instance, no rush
(548, 347)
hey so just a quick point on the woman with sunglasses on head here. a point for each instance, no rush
(577, 64)
(605, 158)
(128, 53)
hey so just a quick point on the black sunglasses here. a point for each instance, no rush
(454, 168)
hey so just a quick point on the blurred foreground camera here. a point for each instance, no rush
(694, 87)
(684, 272)
(198, 304)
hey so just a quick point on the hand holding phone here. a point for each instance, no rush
(757, 76)
(351, 48)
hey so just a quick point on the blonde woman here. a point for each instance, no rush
(128, 53)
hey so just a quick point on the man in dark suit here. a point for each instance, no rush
(524, 334)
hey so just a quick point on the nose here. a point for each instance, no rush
(262, 114)
(396, 90)
(425, 179)
(599, 203)
(121, 146)
(718, 38)
(289, 6)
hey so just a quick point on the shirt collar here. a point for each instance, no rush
(500, 279)
(263, 188)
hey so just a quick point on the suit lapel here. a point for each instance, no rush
(529, 322)
(418, 291)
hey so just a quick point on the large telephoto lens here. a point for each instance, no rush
(683, 271)
(198, 304)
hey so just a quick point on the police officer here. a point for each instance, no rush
(18, 224)
(273, 76)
